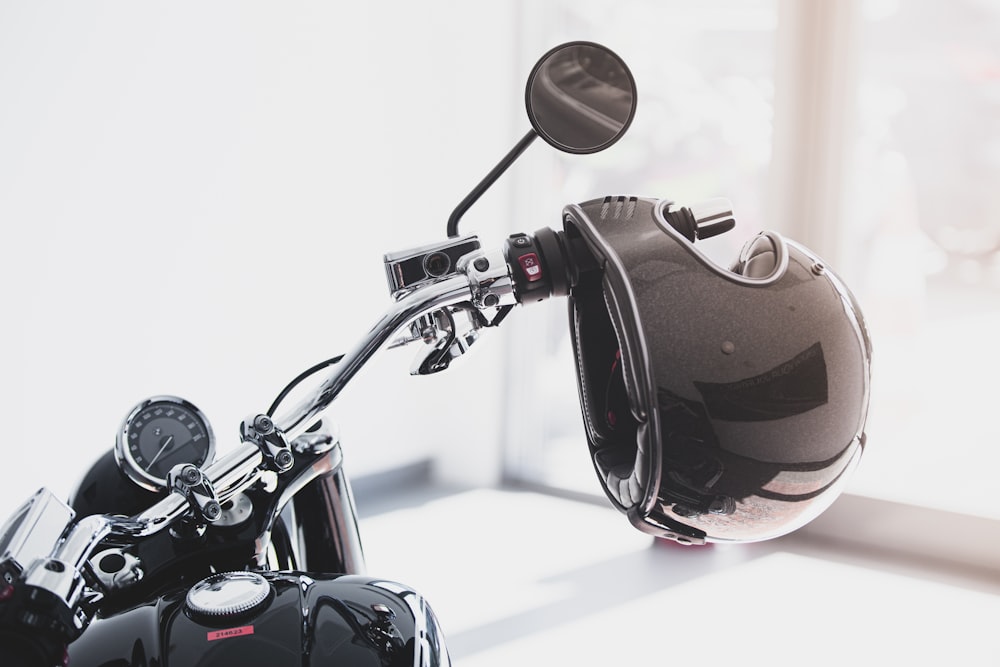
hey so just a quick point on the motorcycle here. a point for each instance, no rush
(720, 404)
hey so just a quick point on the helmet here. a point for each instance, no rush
(720, 404)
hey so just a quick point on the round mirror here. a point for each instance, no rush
(580, 97)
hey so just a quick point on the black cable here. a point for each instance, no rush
(302, 376)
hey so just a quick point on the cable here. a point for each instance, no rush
(302, 376)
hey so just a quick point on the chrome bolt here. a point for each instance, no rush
(263, 424)
(283, 459)
(212, 511)
(190, 475)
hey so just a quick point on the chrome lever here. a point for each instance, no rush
(445, 341)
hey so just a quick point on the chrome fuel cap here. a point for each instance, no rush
(228, 594)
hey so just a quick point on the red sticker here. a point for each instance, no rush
(231, 632)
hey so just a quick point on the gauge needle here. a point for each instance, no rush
(166, 445)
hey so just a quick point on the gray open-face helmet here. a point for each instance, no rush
(721, 404)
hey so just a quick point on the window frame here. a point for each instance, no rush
(817, 72)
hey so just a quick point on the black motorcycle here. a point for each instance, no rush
(720, 404)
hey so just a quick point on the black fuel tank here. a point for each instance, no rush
(304, 619)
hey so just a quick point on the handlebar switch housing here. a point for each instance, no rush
(532, 276)
(546, 263)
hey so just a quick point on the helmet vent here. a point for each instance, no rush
(618, 208)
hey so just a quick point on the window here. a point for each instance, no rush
(868, 131)
(925, 217)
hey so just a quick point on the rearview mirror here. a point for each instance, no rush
(580, 97)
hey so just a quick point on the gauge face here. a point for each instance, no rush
(158, 434)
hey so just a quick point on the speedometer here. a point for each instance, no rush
(159, 433)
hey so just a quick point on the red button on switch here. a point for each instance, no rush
(531, 266)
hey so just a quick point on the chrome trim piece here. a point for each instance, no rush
(56, 577)
(319, 439)
(61, 573)
(489, 279)
(190, 483)
(261, 431)
(424, 255)
(129, 572)
(31, 531)
(228, 594)
(324, 465)
(235, 511)
(337, 503)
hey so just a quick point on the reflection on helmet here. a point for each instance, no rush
(720, 404)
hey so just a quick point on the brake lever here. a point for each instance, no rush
(445, 340)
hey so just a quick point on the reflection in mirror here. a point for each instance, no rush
(580, 97)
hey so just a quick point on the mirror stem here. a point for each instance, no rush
(484, 184)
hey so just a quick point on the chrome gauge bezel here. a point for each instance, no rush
(123, 454)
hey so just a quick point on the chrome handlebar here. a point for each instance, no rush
(56, 559)
(482, 280)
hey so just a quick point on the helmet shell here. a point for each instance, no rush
(742, 399)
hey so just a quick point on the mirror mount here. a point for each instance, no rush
(490, 179)
(580, 98)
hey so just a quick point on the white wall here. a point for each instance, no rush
(195, 199)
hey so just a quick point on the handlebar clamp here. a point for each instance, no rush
(190, 482)
(270, 440)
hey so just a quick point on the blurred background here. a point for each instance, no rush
(195, 199)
